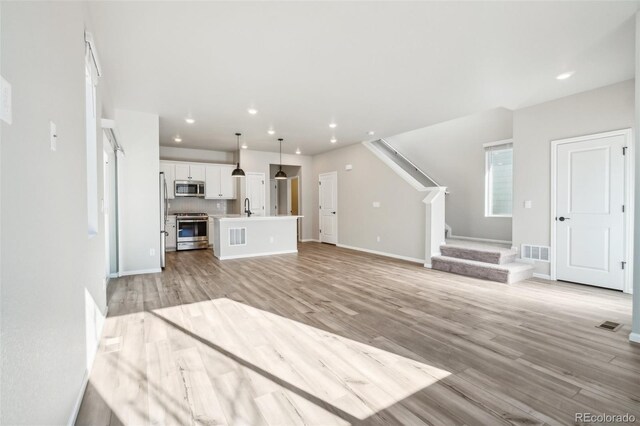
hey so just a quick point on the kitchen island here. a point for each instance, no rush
(239, 236)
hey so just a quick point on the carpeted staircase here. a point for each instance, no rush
(495, 262)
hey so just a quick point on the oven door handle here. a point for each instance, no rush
(192, 221)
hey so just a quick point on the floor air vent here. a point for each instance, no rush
(610, 325)
(535, 252)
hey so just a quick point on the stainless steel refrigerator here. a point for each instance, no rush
(164, 207)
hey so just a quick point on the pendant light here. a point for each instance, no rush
(280, 174)
(238, 172)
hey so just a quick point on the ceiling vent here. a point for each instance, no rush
(532, 252)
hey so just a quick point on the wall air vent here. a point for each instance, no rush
(532, 252)
(237, 236)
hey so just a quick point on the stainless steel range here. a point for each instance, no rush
(192, 231)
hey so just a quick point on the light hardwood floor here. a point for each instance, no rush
(334, 336)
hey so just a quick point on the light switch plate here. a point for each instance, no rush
(527, 204)
(376, 204)
(5, 101)
(53, 136)
(348, 167)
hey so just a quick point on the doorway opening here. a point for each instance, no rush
(285, 194)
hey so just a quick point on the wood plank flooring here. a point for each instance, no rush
(332, 336)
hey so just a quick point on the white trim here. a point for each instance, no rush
(244, 256)
(395, 167)
(634, 337)
(112, 275)
(428, 265)
(310, 240)
(488, 191)
(76, 406)
(381, 253)
(627, 286)
(486, 240)
(139, 272)
(85, 378)
(543, 276)
(497, 143)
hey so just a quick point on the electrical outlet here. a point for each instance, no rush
(218, 205)
(378, 238)
(271, 239)
(5, 101)
(376, 204)
(152, 252)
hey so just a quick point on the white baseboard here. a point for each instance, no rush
(634, 337)
(428, 266)
(244, 256)
(542, 276)
(85, 379)
(114, 275)
(381, 253)
(484, 240)
(139, 272)
(310, 240)
(76, 406)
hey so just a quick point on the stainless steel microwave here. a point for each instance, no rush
(189, 188)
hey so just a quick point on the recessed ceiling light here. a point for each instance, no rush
(371, 133)
(252, 111)
(565, 75)
(244, 146)
(189, 120)
(333, 140)
(298, 151)
(177, 139)
(333, 125)
(271, 132)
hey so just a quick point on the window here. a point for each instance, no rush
(91, 145)
(498, 179)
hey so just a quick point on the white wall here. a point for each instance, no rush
(197, 155)
(600, 110)
(138, 191)
(400, 219)
(453, 155)
(259, 161)
(51, 272)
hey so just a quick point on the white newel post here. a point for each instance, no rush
(435, 225)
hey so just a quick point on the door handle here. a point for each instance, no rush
(562, 218)
(333, 212)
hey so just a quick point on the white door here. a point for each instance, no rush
(256, 193)
(273, 197)
(328, 207)
(589, 218)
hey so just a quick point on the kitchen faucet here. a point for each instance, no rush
(247, 207)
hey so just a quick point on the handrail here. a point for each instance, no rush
(416, 168)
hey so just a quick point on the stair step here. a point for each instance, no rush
(508, 273)
(496, 254)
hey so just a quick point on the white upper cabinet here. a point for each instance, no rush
(227, 182)
(190, 172)
(169, 170)
(219, 182)
(197, 172)
(182, 172)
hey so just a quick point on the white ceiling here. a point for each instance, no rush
(384, 66)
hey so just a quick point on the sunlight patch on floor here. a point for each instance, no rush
(224, 362)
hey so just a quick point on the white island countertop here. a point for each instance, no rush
(244, 217)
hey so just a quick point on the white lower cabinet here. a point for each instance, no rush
(171, 231)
